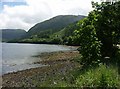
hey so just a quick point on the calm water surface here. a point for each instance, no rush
(16, 57)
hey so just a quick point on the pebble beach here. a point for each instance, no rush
(58, 65)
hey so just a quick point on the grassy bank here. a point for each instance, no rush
(101, 76)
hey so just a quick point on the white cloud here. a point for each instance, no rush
(12, 0)
(25, 16)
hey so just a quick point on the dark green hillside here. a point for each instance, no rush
(54, 24)
(66, 34)
(11, 34)
(96, 64)
(53, 31)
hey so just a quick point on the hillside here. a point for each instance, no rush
(66, 33)
(93, 58)
(54, 24)
(11, 34)
(53, 31)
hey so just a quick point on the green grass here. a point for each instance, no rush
(91, 77)
(102, 76)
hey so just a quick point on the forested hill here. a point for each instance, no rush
(54, 24)
(10, 34)
(56, 30)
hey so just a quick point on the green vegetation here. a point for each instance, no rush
(12, 34)
(52, 31)
(54, 24)
(97, 35)
(101, 76)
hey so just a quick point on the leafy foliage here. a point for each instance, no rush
(107, 26)
(99, 33)
(89, 43)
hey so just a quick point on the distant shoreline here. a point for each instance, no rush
(41, 43)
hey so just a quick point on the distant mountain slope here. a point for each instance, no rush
(65, 35)
(54, 24)
(11, 34)
(56, 30)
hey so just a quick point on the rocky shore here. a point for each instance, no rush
(58, 66)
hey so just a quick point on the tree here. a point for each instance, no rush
(100, 32)
(89, 43)
(107, 26)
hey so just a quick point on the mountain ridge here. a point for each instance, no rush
(11, 34)
(55, 24)
(49, 30)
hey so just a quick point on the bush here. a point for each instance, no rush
(89, 43)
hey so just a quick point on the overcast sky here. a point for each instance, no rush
(23, 14)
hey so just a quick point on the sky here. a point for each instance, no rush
(23, 14)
